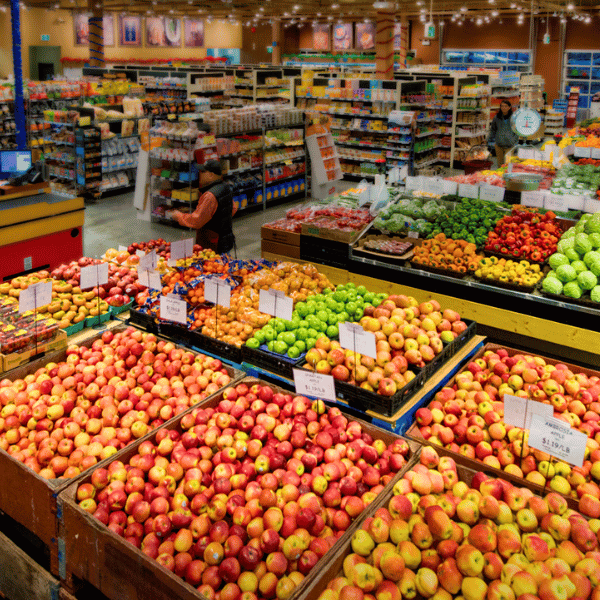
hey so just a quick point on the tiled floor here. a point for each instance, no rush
(112, 222)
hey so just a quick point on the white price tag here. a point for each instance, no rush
(595, 153)
(582, 152)
(93, 275)
(555, 202)
(148, 262)
(122, 248)
(309, 383)
(574, 202)
(151, 279)
(569, 150)
(354, 337)
(535, 199)
(491, 193)
(218, 292)
(467, 190)
(140, 253)
(450, 187)
(436, 186)
(591, 206)
(173, 308)
(519, 411)
(182, 249)
(557, 439)
(35, 296)
(275, 303)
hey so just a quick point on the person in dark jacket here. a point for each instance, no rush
(212, 217)
(502, 134)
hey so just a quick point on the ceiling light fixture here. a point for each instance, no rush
(570, 6)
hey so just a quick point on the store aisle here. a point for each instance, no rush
(112, 222)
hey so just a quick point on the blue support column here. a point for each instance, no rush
(20, 121)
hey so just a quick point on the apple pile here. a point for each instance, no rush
(466, 417)
(162, 249)
(244, 497)
(67, 416)
(441, 538)
(408, 335)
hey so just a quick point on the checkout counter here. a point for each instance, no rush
(38, 230)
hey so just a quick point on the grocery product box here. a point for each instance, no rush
(280, 249)
(347, 237)
(280, 236)
(16, 359)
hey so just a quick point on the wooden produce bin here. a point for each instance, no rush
(30, 499)
(17, 359)
(278, 241)
(333, 569)
(414, 433)
(118, 569)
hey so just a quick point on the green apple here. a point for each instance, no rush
(293, 352)
(301, 345)
(253, 343)
(280, 347)
(332, 331)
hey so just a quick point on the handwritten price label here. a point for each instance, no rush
(354, 337)
(35, 296)
(582, 152)
(275, 303)
(535, 199)
(450, 187)
(173, 308)
(491, 193)
(93, 276)
(313, 384)
(218, 292)
(557, 439)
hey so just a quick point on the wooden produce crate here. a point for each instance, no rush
(96, 555)
(30, 499)
(290, 238)
(415, 434)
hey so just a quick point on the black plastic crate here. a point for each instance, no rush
(166, 329)
(363, 400)
(280, 364)
(325, 252)
(450, 349)
(215, 346)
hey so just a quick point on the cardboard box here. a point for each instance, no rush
(16, 359)
(277, 235)
(280, 249)
(346, 237)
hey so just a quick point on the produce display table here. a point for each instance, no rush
(39, 230)
(531, 321)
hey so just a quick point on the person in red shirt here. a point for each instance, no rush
(212, 217)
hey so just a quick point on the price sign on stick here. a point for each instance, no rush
(182, 249)
(354, 337)
(35, 296)
(218, 292)
(309, 383)
(556, 438)
(140, 253)
(93, 276)
(148, 262)
(173, 308)
(151, 279)
(275, 303)
(491, 193)
(519, 411)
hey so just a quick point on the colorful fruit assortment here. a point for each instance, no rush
(393, 247)
(525, 234)
(470, 221)
(238, 323)
(458, 256)
(66, 417)
(441, 537)
(342, 218)
(466, 417)
(521, 273)
(248, 495)
(408, 334)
